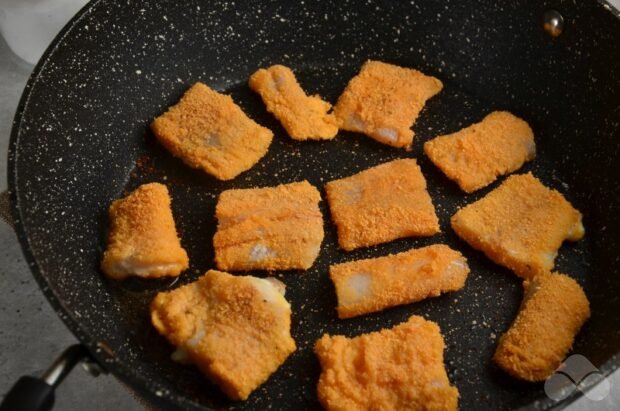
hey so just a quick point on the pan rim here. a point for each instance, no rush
(134, 380)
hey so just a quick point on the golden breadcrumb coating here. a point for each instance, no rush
(271, 228)
(235, 329)
(366, 286)
(553, 310)
(383, 101)
(520, 225)
(381, 204)
(393, 369)
(475, 156)
(207, 130)
(142, 238)
(304, 117)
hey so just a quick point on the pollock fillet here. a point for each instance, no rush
(383, 101)
(366, 286)
(271, 228)
(520, 225)
(208, 131)
(303, 117)
(142, 238)
(475, 156)
(553, 310)
(401, 368)
(235, 329)
(381, 204)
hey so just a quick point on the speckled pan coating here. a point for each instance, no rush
(81, 139)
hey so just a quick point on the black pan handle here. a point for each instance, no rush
(37, 394)
(5, 209)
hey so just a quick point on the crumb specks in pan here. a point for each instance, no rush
(87, 105)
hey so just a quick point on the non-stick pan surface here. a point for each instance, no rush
(81, 140)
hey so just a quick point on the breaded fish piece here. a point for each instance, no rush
(142, 238)
(520, 225)
(381, 204)
(475, 156)
(553, 310)
(271, 228)
(207, 130)
(383, 101)
(304, 117)
(393, 369)
(366, 286)
(236, 329)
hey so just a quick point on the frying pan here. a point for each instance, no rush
(81, 139)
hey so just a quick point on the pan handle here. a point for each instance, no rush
(5, 209)
(37, 394)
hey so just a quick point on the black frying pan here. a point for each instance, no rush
(81, 139)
